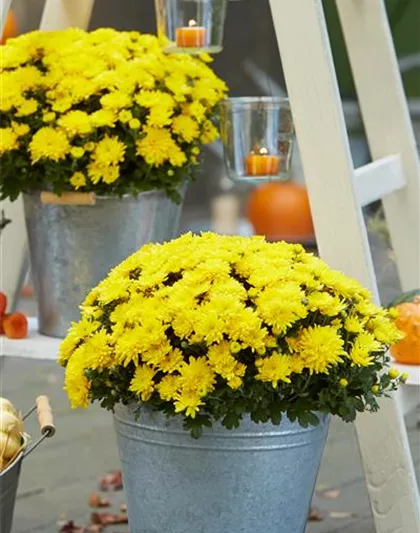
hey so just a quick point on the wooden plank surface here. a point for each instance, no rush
(61, 14)
(378, 179)
(387, 122)
(5, 6)
(341, 235)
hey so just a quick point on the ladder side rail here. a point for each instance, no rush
(5, 6)
(62, 14)
(342, 238)
(387, 123)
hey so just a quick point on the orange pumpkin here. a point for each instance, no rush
(10, 28)
(281, 210)
(407, 350)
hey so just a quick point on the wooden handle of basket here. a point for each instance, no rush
(45, 416)
(68, 198)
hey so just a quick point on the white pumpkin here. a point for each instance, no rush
(9, 445)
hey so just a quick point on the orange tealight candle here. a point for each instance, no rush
(192, 36)
(262, 163)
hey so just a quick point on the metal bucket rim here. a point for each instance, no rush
(125, 197)
(249, 101)
(18, 459)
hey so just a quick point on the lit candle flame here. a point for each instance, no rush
(192, 23)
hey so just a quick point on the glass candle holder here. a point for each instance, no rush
(191, 26)
(257, 136)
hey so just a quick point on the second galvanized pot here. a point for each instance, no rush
(73, 247)
(257, 478)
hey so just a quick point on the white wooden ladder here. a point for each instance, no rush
(337, 191)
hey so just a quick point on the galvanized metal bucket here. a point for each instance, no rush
(258, 477)
(73, 247)
(9, 478)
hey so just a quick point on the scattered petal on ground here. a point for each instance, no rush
(96, 501)
(316, 515)
(111, 482)
(329, 494)
(106, 519)
(342, 515)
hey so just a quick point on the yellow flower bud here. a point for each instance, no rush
(404, 377)
(375, 389)
(77, 152)
(393, 373)
(170, 172)
(134, 123)
(48, 117)
(343, 382)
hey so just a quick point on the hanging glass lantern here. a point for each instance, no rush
(191, 26)
(257, 135)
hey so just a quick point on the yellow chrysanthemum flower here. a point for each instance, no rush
(75, 123)
(20, 129)
(169, 387)
(115, 101)
(156, 146)
(26, 107)
(274, 368)
(186, 128)
(8, 140)
(49, 143)
(364, 347)
(142, 382)
(188, 401)
(317, 348)
(197, 376)
(78, 180)
(109, 151)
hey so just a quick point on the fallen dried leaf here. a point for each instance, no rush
(106, 519)
(329, 494)
(342, 515)
(111, 482)
(96, 501)
(69, 526)
(316, 515)
(94, 528)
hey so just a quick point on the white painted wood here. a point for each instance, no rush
(12, 249)
(379, 179)
(341, 235)
(408, 398)
(5, 6)
(387, 122)
(36, 346)
(61, 14)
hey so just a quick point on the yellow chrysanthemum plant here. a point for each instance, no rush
(214, 328)
(103, 111)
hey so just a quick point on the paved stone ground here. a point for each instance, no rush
(57, 479)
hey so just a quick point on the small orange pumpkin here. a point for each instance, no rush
(281, 210)
(10, 28)
(407, 350)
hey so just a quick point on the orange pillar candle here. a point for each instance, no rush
(262, 163)
(192, 36)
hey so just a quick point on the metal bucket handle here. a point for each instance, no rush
(45, 420)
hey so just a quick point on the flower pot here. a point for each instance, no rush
(73, 247)
(258, 477)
